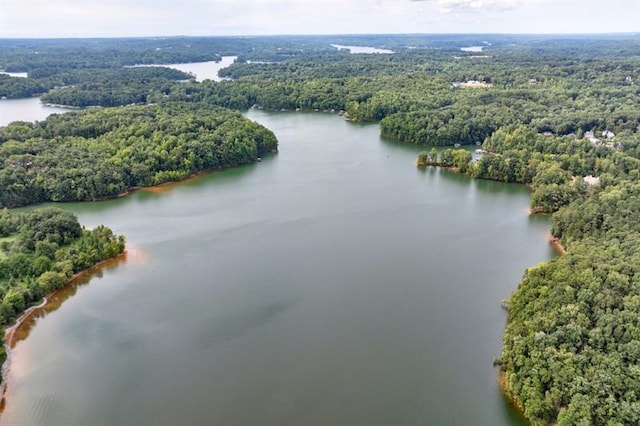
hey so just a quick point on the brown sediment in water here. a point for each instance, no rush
(502, 380)
(166, 186)
(557, 245)
(28, 319)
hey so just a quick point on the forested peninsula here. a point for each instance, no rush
(560, 114)
(96, 154)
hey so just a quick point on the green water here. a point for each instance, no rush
(333, 283)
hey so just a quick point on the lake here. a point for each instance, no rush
(472, 49)
(25, 109)
(362, 49)
(201, 70)
(15, 74)
(333, 283)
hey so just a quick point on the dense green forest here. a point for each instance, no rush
(40, 251)
(571, 350)
(26, 55)
(559, 114)
(95, 154)
(92, 87)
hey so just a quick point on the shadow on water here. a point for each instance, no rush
(456, 178)
(25, 323)
(513, 415)
(55, 300)
(407, 147)
(540, 219)
(495, 187)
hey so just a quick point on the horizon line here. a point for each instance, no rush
(617, 33)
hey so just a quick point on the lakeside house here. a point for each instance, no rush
(471, 83)
(591, 180)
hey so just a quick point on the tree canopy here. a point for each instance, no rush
(94, 154)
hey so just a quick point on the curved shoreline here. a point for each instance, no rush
(12, 333)
(164, 186)
(557, 245)
(502, 377)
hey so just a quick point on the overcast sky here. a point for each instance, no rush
(109, 18)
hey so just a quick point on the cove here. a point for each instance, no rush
(26, 109)
(331, 283)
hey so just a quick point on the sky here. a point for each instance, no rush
(120, 18)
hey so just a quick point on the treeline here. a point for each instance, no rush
(40, 251)
(423, 96)
(108, 87)
(25, 55)
(19, 87)
(92, 87)
(554, 167)
(557, 85)
(95, 154)
(571, 349)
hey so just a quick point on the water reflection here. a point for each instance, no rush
(55, 301)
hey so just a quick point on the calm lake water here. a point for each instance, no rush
(472, 49)
(25, 109)
(334, 283)
(362, 49)
(15, 74)
(202, 70)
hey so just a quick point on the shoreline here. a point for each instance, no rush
(557, 245)
(162, 187)
(11, 334)
(165, 186)
(502, 382)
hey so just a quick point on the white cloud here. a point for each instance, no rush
(82, 18)
(448, 6)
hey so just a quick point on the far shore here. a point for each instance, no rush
(20, 329)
